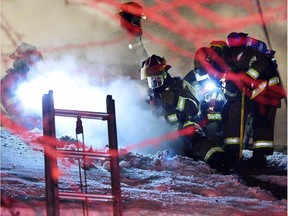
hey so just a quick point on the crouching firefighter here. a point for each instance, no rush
(174, 99)
(210, 94)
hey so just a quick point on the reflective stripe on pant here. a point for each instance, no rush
(232, 141)
(211, 152)
(232, 150)
(263, 130)
(201, 149)
(264, 147)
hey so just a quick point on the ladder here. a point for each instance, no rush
(51, 153)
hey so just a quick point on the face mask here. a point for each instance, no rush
(155, 82)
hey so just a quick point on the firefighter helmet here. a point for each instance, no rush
(25, 57)
(218, 43)
(236, 39)
(154, 69)
(24, 50)
(202, 57)
(153, 66)
(219, 47)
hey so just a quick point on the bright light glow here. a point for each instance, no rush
(209, 86)
(68, 92)
(75, 90)
(130, 46)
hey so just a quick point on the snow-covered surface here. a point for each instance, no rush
(151, 184)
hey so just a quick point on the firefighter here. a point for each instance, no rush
(131, 51)
(25, 58)
(251, 85)
(210, 94)
(208, 70)
(174, 99)
(256, 80)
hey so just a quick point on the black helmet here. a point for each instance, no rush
(154, 69)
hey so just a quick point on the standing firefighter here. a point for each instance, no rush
(25, 58)
(253, 87)
(250, 83)
(174, 99)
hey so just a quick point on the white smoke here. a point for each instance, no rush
(75, 89)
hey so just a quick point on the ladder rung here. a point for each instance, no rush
(81, 154)
(84, 196)
(83, 114)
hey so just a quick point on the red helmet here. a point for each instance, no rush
(132, 8)
(236, 39)
(131, 14)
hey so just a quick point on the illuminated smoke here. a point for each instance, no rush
(75, 90)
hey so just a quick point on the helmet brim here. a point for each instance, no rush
(153, 71)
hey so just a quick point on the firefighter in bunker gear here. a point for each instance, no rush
(263, 94)
(130, 51)
(174, 99)
(255, 74)
(25, 58)
(211, 98)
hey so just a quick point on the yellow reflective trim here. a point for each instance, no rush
(212, 151)
(181, 103)
(230, 94)
(263, 144)
(274, 81)
(259, 89)
(172, 118)
(232, 141)
(188, 123)
(214, 116)
(253, 73)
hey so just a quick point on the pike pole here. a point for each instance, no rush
(241, 125)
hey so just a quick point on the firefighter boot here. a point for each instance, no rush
(218, 161)
(258, 160)
(232, 156)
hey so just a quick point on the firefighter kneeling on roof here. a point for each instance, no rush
(174, 99)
